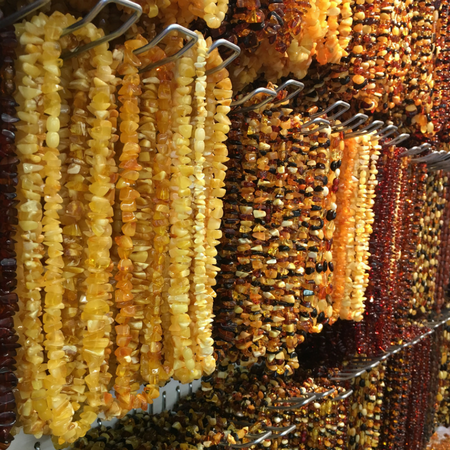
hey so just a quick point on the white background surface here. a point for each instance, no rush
(26, 442)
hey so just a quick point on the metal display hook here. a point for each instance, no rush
(344, 376)
(339, 104)
(430, 158)
(370, 128)
(22, 13)
(300, 86)
(283, 431)
(261, 90)
(344, 395)
(385, 132)
(296, 403)
(359, 119)
(223, 43)
(416, 150)
(261, 437)
(399, 139)
(91, 16)
(188, 34)
(37, 446)
(318, 121)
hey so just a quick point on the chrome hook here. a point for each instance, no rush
(344, 126)
(345, 107)
(19, 15)
(431, 157)
(178, 393)
(370, 128)
(191, 390)
(99, 422)
(399, 139)
(283, 431)
(223, 43)
(261, 437)
(91, 16)
(318, 121)
(164, 401)
(297, 402)
(261, 90)
(385, 132)
(190, 35)
(320, 395)
(300, 86)
(343, 396)
(416, 150)
(37, 446)
(344, 376)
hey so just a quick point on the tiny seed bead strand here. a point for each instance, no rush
(130, 315)
(30, 368)
(178, 348)
(198, 289)
(103, 171)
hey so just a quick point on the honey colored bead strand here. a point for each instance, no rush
(353, 303)
(178, 345)
(60, 411)
(157, 85)
(103, 174)
(344, 213)
(198, 289)
(73, 217)
(218, 107)
(31, 403)
(129, 315)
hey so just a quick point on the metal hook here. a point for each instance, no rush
(299, 85)
(320, 395)
(266, 91)
(344, 376)
(37, 446)
(150, 409)
(223, 43)
(400, 138)
(258, 440)
(22, 13)
(344, 395)
(178, 393)
(370, 128)
(297, 402)
(345, 107)
(91, 15)
(283, 431)
(191, 390)
(385, 132)
(190, 35)
(431, 157)
(99, 422)
(318, 121)
(344, 126)
(164, 401)
(416, 150)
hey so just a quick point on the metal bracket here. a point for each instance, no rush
(359, 119)
(223, 43)
(251, 95)
(21, 14)
(344, 105)
(300, 86)
(188, 34)
(385, 132)
(318, 121)
(400, 138)
(91, 16)
(370, 128)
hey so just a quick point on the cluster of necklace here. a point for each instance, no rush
(152, 220)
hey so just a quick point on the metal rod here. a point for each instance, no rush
(339, 104)
(385, 132)
(400, 138)
(344, 395)
(188, 34)
(359, 119)
(224, 43)
(318, 121)
(265, 91)
(370, 128)
(21, 14)
(300, 86)
(91, 15)
(256, 441)
(164, 401)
